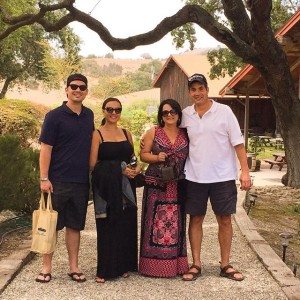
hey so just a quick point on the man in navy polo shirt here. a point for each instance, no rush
(211, 170)
(64, 169)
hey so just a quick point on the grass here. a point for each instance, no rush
(275, 212)
(264, 152)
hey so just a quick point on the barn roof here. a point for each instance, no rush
(192, 63)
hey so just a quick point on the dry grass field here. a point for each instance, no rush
(55, 97)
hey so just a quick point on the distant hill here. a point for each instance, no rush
(128, 65)
(55, 97)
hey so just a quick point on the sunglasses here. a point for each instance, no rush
(110, 110)
(172, 112)
(74, 87)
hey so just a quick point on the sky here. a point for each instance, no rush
(125, 18)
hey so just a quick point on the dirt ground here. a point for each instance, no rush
(10, 239)
(277, 210)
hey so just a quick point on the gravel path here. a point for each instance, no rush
(258, 283)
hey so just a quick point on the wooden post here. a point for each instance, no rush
(246, 120)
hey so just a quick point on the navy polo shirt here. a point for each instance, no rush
(70, 135)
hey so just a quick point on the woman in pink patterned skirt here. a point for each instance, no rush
(163, 243)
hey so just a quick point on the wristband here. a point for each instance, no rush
(44, 179)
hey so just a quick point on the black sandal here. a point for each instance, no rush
(230, 275)
(195, 275)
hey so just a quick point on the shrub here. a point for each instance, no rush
(21, 118)
(19, 176)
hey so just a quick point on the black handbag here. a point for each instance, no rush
(168, 173)
(140, 180)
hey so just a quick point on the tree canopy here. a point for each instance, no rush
(245, 27)
(223, 60)
(31, 54)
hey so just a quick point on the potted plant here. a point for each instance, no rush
(254, 149)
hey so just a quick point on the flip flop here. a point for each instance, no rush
(230, 275)
(78, 274)
(99, 280)
(125, 275)
(195, 275)
(45, 275)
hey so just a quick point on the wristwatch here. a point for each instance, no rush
(44, 179)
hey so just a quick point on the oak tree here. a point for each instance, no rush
(247, 32)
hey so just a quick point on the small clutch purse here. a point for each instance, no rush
(168, 173)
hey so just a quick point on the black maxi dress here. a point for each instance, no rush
(117, 233)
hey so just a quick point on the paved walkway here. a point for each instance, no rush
(259, 284)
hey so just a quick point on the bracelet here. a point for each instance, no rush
(44, 179)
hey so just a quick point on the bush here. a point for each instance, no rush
(21, 118)
(19, 176)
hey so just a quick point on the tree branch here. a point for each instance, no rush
(29, 19)
(189, 13)
(58, 25)
(235, 12)
(264, 36)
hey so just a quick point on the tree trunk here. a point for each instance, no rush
(273, 65)
(5, 87)
(287, 108)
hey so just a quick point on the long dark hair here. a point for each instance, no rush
(175, 105)
(110, 99)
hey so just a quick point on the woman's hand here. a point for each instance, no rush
(161, 156)
(132, 172)
(137, 170)
(129, 172)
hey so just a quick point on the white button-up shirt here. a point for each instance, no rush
(212, 138)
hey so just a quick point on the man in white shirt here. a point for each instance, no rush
(211, 170)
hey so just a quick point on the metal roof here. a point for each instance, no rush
(249, 79)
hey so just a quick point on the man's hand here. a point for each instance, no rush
(46, 186)
(142, 144)
(245, 181)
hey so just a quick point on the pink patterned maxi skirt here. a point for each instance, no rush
(163, 242)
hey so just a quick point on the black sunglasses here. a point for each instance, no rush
(165, 113)
(110, 110)
(74, 87)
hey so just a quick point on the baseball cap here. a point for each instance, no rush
(199, 78)
(76, 76)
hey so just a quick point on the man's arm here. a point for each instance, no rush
(245, 178)
(45, 159)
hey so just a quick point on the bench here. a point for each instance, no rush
(280, 164)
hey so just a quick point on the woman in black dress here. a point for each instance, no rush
(116, 214)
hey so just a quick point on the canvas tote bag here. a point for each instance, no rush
(44, 222)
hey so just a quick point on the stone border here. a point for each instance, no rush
(271, 261)
(12, 265)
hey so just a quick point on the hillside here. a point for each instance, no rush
(55, 97)
(128, 65)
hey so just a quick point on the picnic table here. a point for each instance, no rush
(279, 143)
(265, 140)
(279, 160)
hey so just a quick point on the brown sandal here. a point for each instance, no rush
(195, 275)
(230, 275)
(77, 279)
(44, 275)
